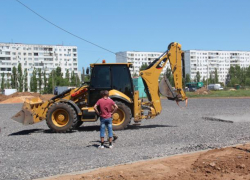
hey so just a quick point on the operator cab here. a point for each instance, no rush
(107, 76)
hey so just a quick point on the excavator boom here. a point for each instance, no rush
(151, 76)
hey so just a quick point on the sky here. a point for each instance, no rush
(128, 25)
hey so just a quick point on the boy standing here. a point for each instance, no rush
(107, 108)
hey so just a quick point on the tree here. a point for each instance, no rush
(45, 83)
(198, 76)
(247, 81)
(135, 75)
(40, 81)
(33, 81)
(216, 78)
(2, 82)
(187, 78)
(8, 81)
(170, 76)
(25, 80)
(50, 83)
(143, 66)
(237, 75)
(14, 78)
(204, 80)
(72, 79)
(20, 77)
(67, 78)
(211, 79)
(78, 82)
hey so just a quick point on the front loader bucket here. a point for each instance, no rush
(26, 115)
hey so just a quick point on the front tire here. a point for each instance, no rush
(61, 117)
(77, 124)
(122, 116)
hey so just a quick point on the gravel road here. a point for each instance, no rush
(29, 152)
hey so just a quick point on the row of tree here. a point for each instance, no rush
(236, 75)
(39, 82)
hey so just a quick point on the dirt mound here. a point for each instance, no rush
(202, 91)
(46, 97)
(19, 97)
(227, 163)
(217, 164)
(2, 97)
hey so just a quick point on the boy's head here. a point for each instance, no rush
(104, 93)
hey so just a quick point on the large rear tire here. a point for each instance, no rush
(61, 117)
(122, 116)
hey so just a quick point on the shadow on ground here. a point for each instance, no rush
(83, 128)
(31, 131)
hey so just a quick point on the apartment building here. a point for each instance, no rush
(207, 61)
(46, 57)
(138, 58)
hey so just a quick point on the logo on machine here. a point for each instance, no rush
(161, 64)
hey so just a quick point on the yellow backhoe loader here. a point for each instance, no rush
(71, 108)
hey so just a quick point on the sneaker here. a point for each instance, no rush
(115, 138)
(101, 147)
(111, 146)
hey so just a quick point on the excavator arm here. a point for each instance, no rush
(150, 77)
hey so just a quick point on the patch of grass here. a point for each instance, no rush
(222, 93)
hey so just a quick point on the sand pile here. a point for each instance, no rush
(202, 91)
(19, 97)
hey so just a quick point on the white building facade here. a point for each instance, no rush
(138, 58)
(207, 61)
(45, 57)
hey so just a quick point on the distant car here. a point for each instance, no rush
(192, 89)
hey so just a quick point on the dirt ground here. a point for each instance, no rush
(19, 97)
(232, 163)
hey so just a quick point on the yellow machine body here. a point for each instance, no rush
(35, 110)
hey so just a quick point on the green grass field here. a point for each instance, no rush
(222, 93)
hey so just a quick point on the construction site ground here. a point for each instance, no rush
(141, 152)
(232, 163)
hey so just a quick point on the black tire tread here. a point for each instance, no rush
(128, 113)
(69, 108)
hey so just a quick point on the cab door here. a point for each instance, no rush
(100, 80)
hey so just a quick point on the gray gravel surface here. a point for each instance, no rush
(29, 152)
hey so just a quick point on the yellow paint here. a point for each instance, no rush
(152, 74)
(114, 92)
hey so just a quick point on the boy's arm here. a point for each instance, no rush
(115, 107)
(95, 107)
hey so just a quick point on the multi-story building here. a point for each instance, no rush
(138, 59)
(46, 57)
(207, 61)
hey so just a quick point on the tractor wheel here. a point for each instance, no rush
(61, 117)
(77, 124)
(122, 116)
